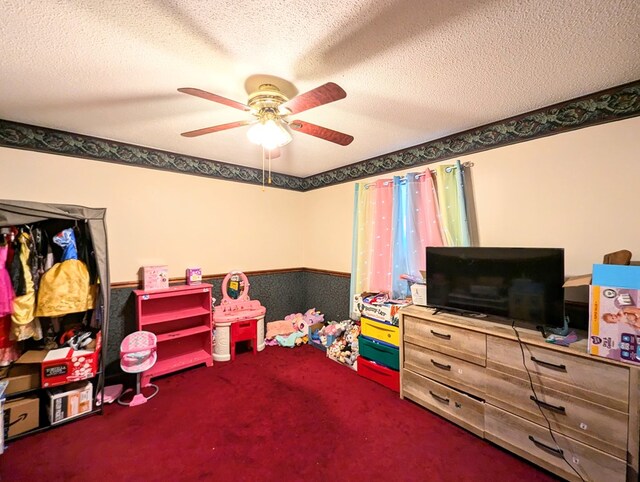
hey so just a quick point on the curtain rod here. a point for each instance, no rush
(404, 178)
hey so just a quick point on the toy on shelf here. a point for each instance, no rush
(236, 306)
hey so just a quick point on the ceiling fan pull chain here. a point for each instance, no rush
(269, 167)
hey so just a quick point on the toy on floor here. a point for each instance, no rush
(137, 355)
(293, 330)
(344, 348)
(236, 307)
(111, 394)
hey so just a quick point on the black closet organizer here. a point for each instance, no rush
(92, 222)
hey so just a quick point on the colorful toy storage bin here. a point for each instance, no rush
(388, 356)
(380, 331)
(380, 374)
(379, 352)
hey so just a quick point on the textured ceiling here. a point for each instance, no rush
(413, 70)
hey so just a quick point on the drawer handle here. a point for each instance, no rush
(549, 364)
(383, 329)
(547, 405)
(440, 335)
(554, 451)
(439, 398)
(440, 365)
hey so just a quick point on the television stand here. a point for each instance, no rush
(459, 312)
(473, 373)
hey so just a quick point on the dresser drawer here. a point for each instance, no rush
(585, 421)
(446, 369)
(535, 443)
(583, 377)
(458, 342)
(380, 331)
(447, 402)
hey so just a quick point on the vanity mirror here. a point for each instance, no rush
(235, 286)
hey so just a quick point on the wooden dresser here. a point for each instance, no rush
(472, 372)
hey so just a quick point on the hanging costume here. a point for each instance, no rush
(24, 323)
(65, 288)
(8, 351)
(6, 289)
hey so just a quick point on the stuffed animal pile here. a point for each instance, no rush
(341, 340)
(293, 330)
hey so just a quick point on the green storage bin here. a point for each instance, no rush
(388, 356)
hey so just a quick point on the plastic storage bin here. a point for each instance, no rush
(380, 331)
(380, 353)
(382, 375)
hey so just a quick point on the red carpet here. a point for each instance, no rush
(285, 414)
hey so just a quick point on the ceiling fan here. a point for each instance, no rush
(271, 109)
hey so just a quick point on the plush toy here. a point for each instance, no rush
(313, 316)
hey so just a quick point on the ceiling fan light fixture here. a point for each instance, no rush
(269, 134)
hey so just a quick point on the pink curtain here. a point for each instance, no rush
(380, 274)
(428, 223)
(394, 220)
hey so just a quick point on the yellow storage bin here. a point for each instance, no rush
(380, 331)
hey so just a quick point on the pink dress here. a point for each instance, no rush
(6, 290)
(8, 352)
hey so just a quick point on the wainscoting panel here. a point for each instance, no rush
(282, 293)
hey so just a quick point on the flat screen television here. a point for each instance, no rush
(512, 284)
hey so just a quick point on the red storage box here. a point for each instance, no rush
(383, 375)
(64, 365)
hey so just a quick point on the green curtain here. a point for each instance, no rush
(453, 211)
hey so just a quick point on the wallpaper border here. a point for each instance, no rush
(609, 105)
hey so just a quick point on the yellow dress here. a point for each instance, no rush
(24, 324)
(65, 289)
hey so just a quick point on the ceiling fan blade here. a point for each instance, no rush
(221, 127)
(324, 94)
(214, 97)
(321, 132)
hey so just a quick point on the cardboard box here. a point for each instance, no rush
(63, 365)
(20, 378)
(314, 328)
(155, 277)
(69, 402)
(614, 313)
(21, 415)
(419, 294)
(384, 312)
(194, 276)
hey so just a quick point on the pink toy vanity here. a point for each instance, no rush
(236, 308)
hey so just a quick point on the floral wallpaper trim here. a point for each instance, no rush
(606, 106)
(51, 141)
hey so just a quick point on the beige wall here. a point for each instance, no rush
(156, 217)
(578, 191)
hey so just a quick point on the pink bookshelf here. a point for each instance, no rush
(180, 316)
